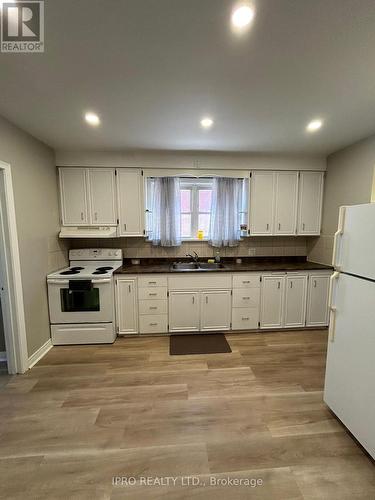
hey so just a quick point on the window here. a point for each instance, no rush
(195, 207)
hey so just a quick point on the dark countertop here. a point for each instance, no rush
(257, 264)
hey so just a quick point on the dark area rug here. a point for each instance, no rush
(198, 344)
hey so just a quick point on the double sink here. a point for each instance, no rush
(196, 266)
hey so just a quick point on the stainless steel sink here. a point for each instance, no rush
(196, 266)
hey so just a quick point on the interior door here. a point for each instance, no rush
(310, 202)
(286, 199)
(127, 310)
(216, 310)
(272, 296)
(262, 188)
(130, 202)
(350, 383)
(102, 196)
(317, 302)
(73, 194)
(295, 301)
(184, 311)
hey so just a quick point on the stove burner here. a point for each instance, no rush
(100, 271)
(76, 268)
(104, 268)
(70, 271)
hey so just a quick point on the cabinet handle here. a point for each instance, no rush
(291, 284)
(303, 226)
(278, 285)
(268, 226)
(96, 215)
(152, 294)
(279, 226)
(245, 319)
(81, 215)
(152, 282)
(314, 283)
(124, 227)
(153, 324)
(129, 288)
(246, 298)
(193, 299)
(246, 282)
(153, 307)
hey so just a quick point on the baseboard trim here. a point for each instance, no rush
(3, 356)
(40, 353)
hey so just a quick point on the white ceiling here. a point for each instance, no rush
(153, 68)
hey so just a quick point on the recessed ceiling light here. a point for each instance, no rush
(92, 119)
(207, 122)
(314, 125)
(242, 16)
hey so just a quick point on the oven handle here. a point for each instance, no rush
(66, 282)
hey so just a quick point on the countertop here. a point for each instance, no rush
(255, 264)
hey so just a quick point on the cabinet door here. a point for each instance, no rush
(286, 199)
(262, 203)
(295, 301)
(130, 202)
(73, 195)
(102, 196)
(184, 311)
(127, 307)
(216, 310)
(272, 296)
(317, 302)
(310, 202)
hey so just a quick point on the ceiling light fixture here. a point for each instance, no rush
(207, 122)
(314, 125)
(92, 119)
(242, 16)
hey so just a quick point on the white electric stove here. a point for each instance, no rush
(81, 297)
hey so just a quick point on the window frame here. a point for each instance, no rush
(194, 185)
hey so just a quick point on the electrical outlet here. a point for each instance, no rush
(251, 252)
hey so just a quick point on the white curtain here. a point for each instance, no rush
(225, 212)
(165, 224)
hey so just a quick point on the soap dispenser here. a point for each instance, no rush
(217, 257)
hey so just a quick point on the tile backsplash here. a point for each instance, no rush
(320, 249)
(254, 246)
(57, 253)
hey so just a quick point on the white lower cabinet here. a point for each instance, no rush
(215, 310)
(127, 306)
(272, 301)
(184, 311)
(317, 300)
(295, 300)
(245, 318)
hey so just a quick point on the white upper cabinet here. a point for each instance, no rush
(286, 200)
(310, 203)
(272, 301)
(295, 300)
(102, 196)
(130, 202)
(262, 203)
(74, 196)
(216, 310)
(88, 196)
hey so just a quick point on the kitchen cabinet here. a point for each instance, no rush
(286, 200)
(130, 202)
(310, 203)
(73, 196)
(272, 301)
(184, 311)
(216, 310)
(317, 300)
(262, 203)
(88, 196)
(102, 194)
(127, 306)
(295, 300)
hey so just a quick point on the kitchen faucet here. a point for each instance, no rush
(195, 257)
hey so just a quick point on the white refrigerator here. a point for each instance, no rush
(350, 373)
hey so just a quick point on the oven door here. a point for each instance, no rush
(81, 301)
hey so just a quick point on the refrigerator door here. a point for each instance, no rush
(350, 372)
(354, 243)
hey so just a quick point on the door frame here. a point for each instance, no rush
(10, 270)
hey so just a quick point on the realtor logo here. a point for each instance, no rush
(22, 26)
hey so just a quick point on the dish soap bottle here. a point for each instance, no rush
(217, 257)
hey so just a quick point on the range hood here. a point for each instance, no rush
(88, 232)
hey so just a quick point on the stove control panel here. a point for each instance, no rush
(95, 254)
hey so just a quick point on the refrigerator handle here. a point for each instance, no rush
(338, 234)
(332, 308)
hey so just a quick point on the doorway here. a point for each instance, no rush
(13, 347)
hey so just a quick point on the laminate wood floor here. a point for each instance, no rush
(86, 414)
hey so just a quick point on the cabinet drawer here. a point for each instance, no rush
(153, 323)
(245, 319)
(246, 281)
(156, 293)
(150, 281)
(152, 307)
(245, 297)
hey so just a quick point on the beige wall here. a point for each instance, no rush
(36, 201)
(349, 181)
